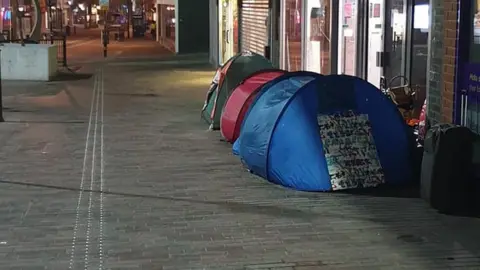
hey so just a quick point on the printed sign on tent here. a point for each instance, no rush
(350, 151)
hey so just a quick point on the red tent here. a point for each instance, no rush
(242, 96)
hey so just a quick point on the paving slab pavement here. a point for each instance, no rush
(168, 194)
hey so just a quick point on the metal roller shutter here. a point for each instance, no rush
(254, 34)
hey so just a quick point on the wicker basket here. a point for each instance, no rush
(403, 97)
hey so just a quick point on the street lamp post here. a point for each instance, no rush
(20, 15)
(71, 12)
(129, 16)
(50, 18)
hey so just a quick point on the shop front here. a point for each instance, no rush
(467, 90)
(166, 23)
(244, 25)
(291, 34)
(307, 28)
(377, 40)
(228, 31)
(183, 25)
(254, 26)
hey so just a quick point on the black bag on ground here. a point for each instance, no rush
(447, 175)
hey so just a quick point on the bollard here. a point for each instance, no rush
(64, 45)
(68, 30)
(105, 41)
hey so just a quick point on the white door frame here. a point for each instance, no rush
(230, 30)
(221, 61)
(229, 50)
(364, 31)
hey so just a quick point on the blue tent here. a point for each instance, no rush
(319, 133)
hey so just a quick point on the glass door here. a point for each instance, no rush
(291, 35)
(317, 36)
(227, 30)
(375, 43)
(347, 38)
(395, 43)
(385, 45)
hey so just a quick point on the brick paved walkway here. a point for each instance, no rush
(173, 195)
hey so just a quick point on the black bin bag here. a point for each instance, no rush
(448, 175)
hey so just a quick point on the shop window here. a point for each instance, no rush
(167, 14)
(419, 58)
(475, 40)
(421, 24)
(293, 35)
(376, 11)
(317, 44)
(348, 37)
(471, 70)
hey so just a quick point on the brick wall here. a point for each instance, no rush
(435, 62)
(441, 66)
(450, 41)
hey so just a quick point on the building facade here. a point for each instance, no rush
(461, 62)
(183, 25)
(386, 42)
(243, 25)
(166, 23)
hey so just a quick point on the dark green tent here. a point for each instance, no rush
(227, 78)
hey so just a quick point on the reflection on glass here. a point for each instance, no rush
(475, 38)
(420, 43)
(347, 36)
(418, 79)
(476, 22)
(293, 35)
(473, 108)
(228, 29)
(235, 26)
(421, 16)
(376, 21)
(166, 28)
(396, 45)
(169, 22)
(317, 45)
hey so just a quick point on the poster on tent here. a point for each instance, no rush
(350, 151)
